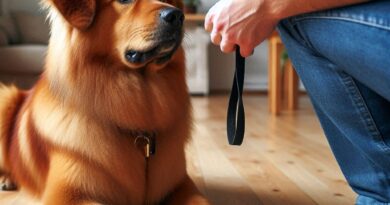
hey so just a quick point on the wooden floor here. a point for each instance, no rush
(284, 160)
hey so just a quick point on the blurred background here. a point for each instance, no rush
(24, 29)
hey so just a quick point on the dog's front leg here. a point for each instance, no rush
(60, 189)
(59, 193)
(186, 194)
(65, 196)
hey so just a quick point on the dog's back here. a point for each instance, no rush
(10, 102)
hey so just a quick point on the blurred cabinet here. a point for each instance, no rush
(195, 44)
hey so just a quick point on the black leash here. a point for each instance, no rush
(236, 112)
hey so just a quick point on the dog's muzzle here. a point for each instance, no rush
(167, 38)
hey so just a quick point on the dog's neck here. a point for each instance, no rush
(100, 88)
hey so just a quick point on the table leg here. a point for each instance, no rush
(275, 78)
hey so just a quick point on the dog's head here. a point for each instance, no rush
(134, 33)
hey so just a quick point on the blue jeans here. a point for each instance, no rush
(343, 58)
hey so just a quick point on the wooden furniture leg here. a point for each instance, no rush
(291, 82)
(274, 76)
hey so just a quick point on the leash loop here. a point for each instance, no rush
(236, 111)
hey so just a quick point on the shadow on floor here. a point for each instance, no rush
(235, 196)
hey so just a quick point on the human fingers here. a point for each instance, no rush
(208, 23)
(216, 37)
(227, 46)
(209, 19)
(246, 50)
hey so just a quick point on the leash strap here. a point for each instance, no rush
(236, 112)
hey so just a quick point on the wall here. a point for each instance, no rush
(206, 4)
(222, 65)
(222, 69)
(23, 5)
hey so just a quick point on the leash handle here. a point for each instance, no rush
(236, 111)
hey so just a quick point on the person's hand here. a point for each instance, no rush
(240, 22)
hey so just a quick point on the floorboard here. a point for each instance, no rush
(283, 160)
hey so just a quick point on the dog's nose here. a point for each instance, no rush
(172, 16)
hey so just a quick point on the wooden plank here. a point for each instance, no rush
(266, 180)
(284, 160)
(223, 183)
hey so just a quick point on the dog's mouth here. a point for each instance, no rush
(160, 52)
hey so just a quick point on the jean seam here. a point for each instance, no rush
(364, 112)
(379, 26)
(303, 39)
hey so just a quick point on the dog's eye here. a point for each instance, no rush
(125, 1)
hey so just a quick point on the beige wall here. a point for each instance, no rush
(222, 69)
(22, 5)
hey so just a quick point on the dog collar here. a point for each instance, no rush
(143, 140)
(146, 142)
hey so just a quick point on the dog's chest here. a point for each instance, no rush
(151, 178)
(164, 171)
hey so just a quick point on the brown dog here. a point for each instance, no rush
(113, 91)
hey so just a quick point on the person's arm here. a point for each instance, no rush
(248, 22)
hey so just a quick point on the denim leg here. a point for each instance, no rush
(343, 58)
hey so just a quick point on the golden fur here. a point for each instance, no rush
(61, 141)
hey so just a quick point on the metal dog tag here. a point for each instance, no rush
(147, 143)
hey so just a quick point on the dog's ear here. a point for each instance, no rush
(79, 13)
(176, 3)
(179, 4)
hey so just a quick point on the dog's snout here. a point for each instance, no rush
(172, 16)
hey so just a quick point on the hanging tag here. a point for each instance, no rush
(147, 150)
(147, 143)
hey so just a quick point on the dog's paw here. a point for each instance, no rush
(198, 200)
(6, 184)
